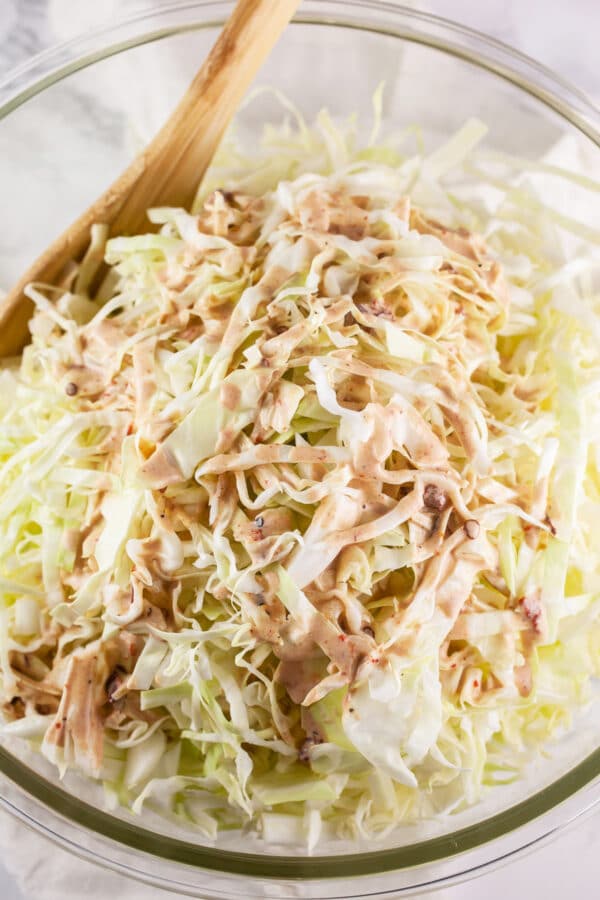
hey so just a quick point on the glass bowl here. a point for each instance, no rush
(69, 122)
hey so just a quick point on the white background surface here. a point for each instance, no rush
(564, 35)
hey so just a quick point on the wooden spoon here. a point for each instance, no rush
(169, 170)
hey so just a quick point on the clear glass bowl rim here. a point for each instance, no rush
(57, 63)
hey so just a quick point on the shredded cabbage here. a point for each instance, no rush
(298, 513)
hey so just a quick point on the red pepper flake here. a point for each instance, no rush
(342, 637)
(475, 683)
(532, 610)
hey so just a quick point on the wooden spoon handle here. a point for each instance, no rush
(169, 170)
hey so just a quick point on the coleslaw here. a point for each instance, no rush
(297, 511)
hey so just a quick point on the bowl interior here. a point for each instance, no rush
(68, 141)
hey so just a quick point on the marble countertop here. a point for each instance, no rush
(564, 37)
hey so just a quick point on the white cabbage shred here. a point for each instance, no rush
(298, 521)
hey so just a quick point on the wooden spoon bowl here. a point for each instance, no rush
(170, 169)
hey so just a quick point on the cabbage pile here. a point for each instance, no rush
(298, 510)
